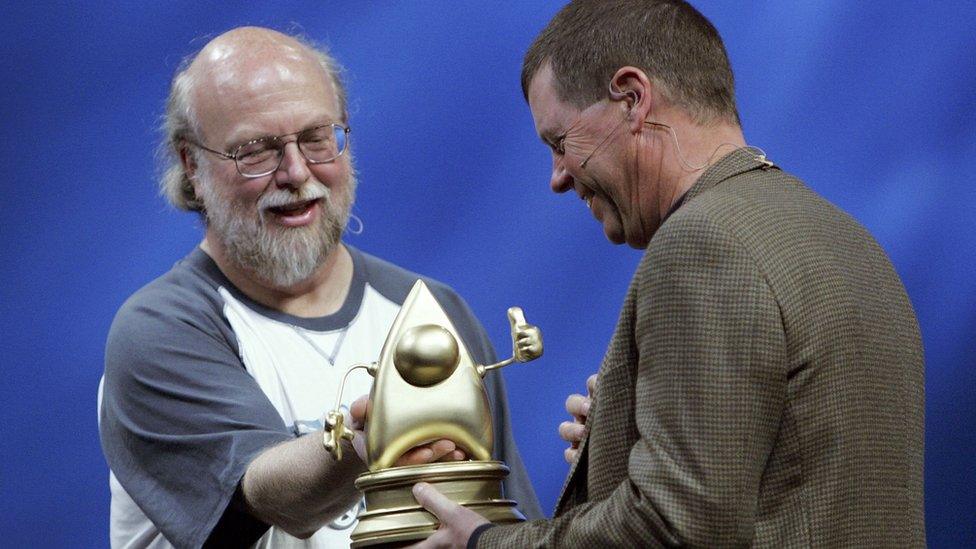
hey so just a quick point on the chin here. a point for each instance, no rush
(614, 235)
(637, 242)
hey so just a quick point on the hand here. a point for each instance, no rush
(526, 338)
(457, 522)
(439, 450)
(357, 422)
(572, 432)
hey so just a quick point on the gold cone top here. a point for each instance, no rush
(444, 397)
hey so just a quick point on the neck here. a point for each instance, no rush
(698, 147)
(321, 294)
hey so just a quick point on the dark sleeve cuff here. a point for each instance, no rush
(237, 527)
(473, 540)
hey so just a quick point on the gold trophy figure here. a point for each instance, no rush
(428, 388)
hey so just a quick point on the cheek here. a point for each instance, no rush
(248, 191)
(332, 174)
(228, 185)
(586, 137)
(577, 147)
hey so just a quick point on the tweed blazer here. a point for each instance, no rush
(763, 387)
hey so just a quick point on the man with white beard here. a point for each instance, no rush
(216, 370)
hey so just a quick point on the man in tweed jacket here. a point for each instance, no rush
(764, 385)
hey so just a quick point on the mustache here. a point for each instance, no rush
(312, 190)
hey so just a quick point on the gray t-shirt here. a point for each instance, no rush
(200, 379)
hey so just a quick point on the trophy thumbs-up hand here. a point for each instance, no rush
(334, 431)
(526, 338)
(526, 342)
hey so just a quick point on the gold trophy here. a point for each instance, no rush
(427, 388)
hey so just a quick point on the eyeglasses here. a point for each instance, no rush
(262, 156)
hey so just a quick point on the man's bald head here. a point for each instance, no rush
(240, 57)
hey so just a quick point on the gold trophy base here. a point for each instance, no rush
(393, 518)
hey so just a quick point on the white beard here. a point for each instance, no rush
(278, 256)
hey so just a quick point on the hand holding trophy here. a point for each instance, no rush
(428, 387)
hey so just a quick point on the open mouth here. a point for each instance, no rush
(296, 213)
(587, 198)
(297, 208)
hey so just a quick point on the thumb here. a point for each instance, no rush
(434, 501)
(357, 412)
(516, 318)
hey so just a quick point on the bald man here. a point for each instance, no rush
(215, 371)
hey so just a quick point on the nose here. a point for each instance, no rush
(293, 170)
(560, 181)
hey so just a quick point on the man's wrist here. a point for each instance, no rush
(473, 539)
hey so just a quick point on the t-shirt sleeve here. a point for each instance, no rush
(517, 485)
(181, 418)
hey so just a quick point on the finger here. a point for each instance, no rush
(435, 502)
(571, 431)
(359, 445)
(435, 540)
(357, 411)
(441, 448)
(569, 454)
(591, 384)
(578, 406)
(529, 347)
(416, 456)
(456, 455)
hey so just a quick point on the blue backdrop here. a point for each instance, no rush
(873, 104)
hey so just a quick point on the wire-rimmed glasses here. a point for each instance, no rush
(262, 156)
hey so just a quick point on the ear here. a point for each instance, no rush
(188, 160)
(632, 86)
(190, 166)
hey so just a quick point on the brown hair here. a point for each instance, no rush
(678, 48)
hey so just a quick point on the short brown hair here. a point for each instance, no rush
(678, 48)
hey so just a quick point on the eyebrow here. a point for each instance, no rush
(551, 139)
(242, 137)
(255, 135)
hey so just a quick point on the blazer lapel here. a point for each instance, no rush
(572, 478)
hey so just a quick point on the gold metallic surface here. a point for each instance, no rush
(426, 355)
(393, 515)
(334, 432)
(427, 388)
(526, 339)
(403, 415)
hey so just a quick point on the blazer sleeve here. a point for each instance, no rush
(709, 396)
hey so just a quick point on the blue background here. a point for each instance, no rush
(873, 104)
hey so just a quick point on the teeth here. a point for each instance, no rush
(292, 207)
